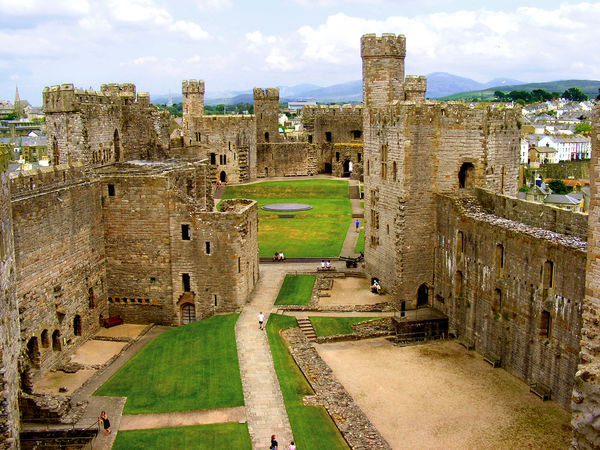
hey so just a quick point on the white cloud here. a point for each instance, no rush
(193, 30)
(213, 4)
(55, 7)
(142, 60)
(139, 11)
(256, 38)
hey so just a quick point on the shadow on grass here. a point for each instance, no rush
(311, 425)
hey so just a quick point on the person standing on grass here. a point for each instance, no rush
(105, 422)
(261, 319)
(357, 225)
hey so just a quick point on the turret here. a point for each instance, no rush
(266, 111)
(414, 88)
(383, 68)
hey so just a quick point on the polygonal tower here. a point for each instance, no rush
(383, 68)
(193, 104)
(266, 112)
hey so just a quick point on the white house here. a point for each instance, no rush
(568, 147)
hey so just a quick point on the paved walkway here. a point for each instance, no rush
(265, 410)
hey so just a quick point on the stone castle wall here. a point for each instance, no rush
(492, 279)
(586, 394)
(59, 261)
(343, 153)
(286, 158)
(10, 342)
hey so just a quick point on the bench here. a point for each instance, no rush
(466, 344)
(541, 390)
(492, 359)
(325, 269)
(112, 321)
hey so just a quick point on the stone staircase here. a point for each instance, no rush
(307, 328)
(353, 191)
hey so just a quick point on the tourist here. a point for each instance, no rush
(292, 446)
(105, 422)
(328, 265)
(274, 444)
(261, 319)
(276, 256)
(281, 257)
(375, 287)
(322, 264)
(357, 225)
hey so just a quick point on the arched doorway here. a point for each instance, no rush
(347, 169)
(33, 350)
(465, 176)
(327, 167)
(422, 296)
(117, 145)
(56, 346)
(77, 325)
(188, 313)
(223, 176)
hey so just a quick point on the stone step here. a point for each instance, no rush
(307, 329)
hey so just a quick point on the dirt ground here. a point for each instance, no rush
(97, 352)
(126, 330)
(352, 291)
(52, 381)
(439, 396)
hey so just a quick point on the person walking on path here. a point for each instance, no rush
(274, 444)
(357, 225)
(292, 446)
(261, 319)
(105, 422)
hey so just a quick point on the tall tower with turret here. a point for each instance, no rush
(193, 106)
(266, 112)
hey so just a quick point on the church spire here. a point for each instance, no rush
(17, 105)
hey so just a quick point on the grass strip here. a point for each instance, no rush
(185, 368)
(295, 290)
(360, 241)
(311, 425)
(330, 326)
(200, 437)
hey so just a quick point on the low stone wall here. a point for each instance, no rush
(356, 429)
(378, 307)
(363, 330)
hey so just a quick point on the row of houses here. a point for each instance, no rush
(553, 149)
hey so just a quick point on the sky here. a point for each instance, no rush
(237, 45)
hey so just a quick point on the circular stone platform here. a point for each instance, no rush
(287, 207)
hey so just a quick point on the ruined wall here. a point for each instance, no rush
(514, 291)
(59, 260)
(96, 128)
(586, 394)
(286, 158)
(346, 156)
(10, 339)
(219, 258)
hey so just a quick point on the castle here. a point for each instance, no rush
(124, 223)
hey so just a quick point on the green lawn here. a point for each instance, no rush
(295, 290)
(185, 368)
(360, 241)
(205, 437)
(319, 232)
(311, 425)
(329, 326)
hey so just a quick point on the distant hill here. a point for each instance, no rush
(588, 87)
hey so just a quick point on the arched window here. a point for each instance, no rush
(266, 136)
(33, 351)
(548, 274)
(77, 325)
(422, 295)
(465, 176)
(45, 339)
(56, 345)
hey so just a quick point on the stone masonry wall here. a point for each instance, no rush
(10, 339)
(586, 394)
(343, 153)
(286, 158)
(493, 280)
(59, 261)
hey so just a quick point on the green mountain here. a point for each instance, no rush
(588, 87)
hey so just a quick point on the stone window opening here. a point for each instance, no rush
(460, 242)
(185, 232)
(111, 190)
(55, 155)
(215, 299)
(266, 136)
(383, 155)
(548, 274)
(458, 284)
(56, 344)
(229, 145)
(388, 229)
(337, 156)
(77, 325)
(497, 301)
(368, 167)
(465, 175)
(33, 351)
(239, 264)
(394, 171)
(198, 136)
(185, 282)
(500, 256)
(358, 156)
(207, 245)
(374, 219)
(310, 138)
(117, 146)
(356, 134)
(422, 296)
(213, 158)
(92, 300)
(328, 136)
(45, 339)
(190, 187)
(224, 159)
(2, 249)
(546, 324)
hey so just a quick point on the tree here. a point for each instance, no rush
(583, 128)
(558, 187)
(540, 95)
(575, 94)
(500, 95)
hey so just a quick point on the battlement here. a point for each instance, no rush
(192, 87)
(67, 98)
(228, 118)
(415, 87)
(388, 45)
(33, 181)
(332, 110)
(266, 94)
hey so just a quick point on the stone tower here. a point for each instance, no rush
(193, 105)
(10, 343)
(586, 392)
(383, 68)
(266, 112)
